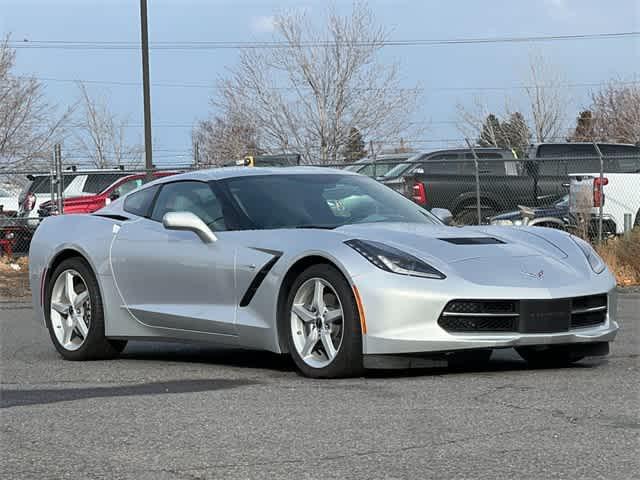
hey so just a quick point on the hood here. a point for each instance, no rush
(456, 244)
(486, 255)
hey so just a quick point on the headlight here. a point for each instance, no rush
(393, 260)
(502, 222)
(595, 262)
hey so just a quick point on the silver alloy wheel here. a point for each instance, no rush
(317, 322)
(70, 310)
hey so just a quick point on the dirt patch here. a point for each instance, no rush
(14, 277)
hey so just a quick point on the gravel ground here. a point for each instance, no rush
(166, 411)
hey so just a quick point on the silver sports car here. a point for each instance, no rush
(331, 267)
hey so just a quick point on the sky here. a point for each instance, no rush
(449, 75)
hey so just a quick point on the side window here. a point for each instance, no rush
(443, 164)
(190, 196)
(139, 203)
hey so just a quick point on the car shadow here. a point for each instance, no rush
(208, 354)
(502, 360)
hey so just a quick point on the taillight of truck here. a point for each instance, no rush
(419, 193)
(598, 190)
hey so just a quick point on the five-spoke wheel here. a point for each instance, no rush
(70, 309)
(74, 313)
(316, 320)
(323, 324)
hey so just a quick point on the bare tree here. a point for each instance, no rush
(225, 139)
(546, 100)
(28, 124)
(616, 113)
(99, 137)
(306, 96)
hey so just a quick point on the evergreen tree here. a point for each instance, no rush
(584, 131)
(512, 134)
(354, 150)
(516, 134)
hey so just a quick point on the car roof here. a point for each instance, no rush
(235, 172)
(539, 144)
(426, 155)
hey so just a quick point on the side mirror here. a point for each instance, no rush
(189, 222)
(443, 215)
(114, 196)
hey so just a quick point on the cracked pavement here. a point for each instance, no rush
(184, 412)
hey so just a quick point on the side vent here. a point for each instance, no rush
(120, 218)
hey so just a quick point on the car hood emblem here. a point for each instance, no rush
(539, 274)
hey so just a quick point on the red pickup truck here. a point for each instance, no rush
(91, 203)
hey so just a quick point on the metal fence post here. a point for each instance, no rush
(475, 162)
(59, 181)
(628, 225)
(601, 190)
(52, 182)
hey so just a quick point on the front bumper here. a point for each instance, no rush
(401, 315)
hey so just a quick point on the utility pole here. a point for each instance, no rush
(196, 155)
(144, 33)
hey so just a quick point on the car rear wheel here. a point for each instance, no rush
(547, 357)
(74, 314)
(323, 334)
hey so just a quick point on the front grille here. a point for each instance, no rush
(480, 316)
(588, 311)
(524, 316)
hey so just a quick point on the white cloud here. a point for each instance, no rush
(262, 24)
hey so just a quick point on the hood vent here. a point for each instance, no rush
(472, 240)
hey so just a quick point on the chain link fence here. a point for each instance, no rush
(595, 196)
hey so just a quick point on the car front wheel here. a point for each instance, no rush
(324, 334)
(548, 357)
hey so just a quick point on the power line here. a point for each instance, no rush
(422, 89)
(216, 45)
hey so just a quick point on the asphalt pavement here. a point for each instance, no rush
(178, 412)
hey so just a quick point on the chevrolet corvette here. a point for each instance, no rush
(328, 266)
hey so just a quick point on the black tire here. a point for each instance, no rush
(469, 216)
(469, 358)
(96, 346)
(549, 357)
(348, 361)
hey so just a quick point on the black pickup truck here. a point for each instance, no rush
(448, 180)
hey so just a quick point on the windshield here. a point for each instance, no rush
(319, 201)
